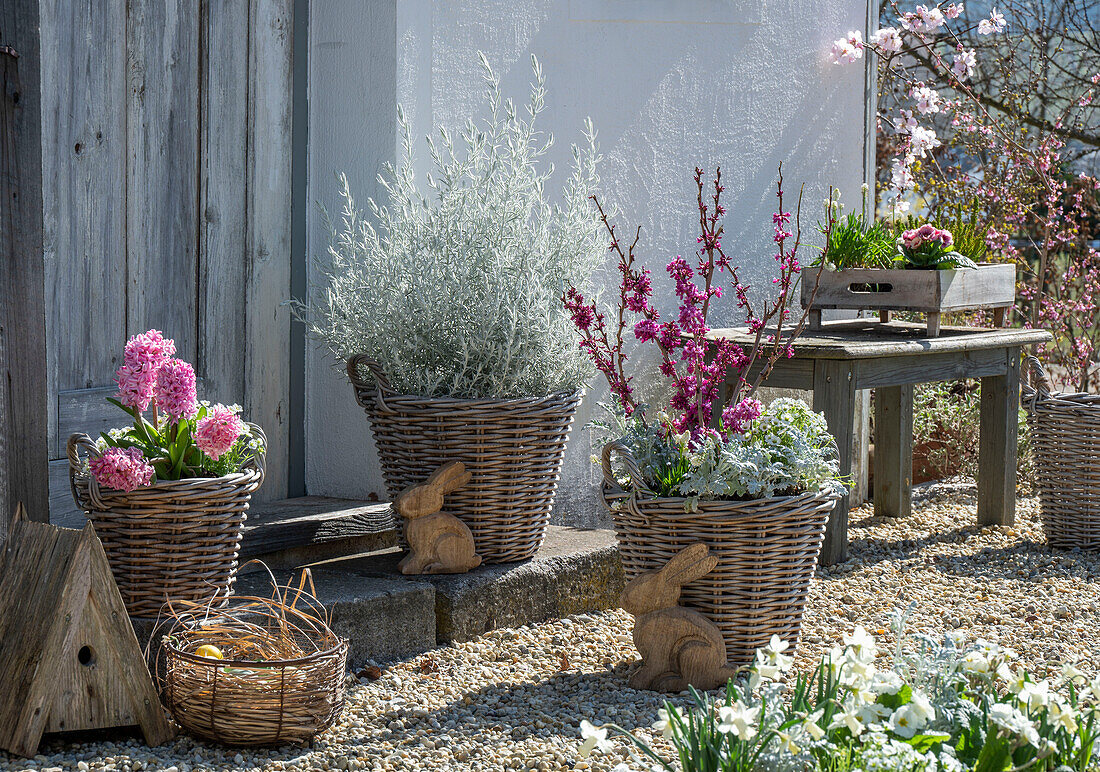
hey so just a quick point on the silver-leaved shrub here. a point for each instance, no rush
(455, 289)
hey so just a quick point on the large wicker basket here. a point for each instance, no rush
(173, 540)
(767, 551)
(513, 448)
(1065, 443)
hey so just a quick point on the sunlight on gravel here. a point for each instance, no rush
(513, 699)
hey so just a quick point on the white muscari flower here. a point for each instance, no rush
(595, 738)
(738, 720)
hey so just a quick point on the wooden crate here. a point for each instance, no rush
(930, 292)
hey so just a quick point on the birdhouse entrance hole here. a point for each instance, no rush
(86, 656)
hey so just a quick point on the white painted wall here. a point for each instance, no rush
(745, 84)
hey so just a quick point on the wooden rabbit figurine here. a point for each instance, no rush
(679, 646)
(438, 543)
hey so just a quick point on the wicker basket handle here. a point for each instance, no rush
(637, 479)
(258, 460)
(1037, 383)
(355, 361)
(82, 442)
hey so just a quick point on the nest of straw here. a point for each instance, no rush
(282, 676)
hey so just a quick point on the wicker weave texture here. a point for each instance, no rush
(767, 552)
(176, 539)
(1065, 441)
(255, 702)
(513, 448)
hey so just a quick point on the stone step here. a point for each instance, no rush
(387, 616)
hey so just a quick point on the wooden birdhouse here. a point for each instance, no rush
(69, 658)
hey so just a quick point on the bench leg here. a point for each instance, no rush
(894, 451)
(835, 396)
(998, 445)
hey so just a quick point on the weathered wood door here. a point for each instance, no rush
(166, 134)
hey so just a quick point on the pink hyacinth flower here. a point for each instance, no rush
(135, 386)
(175, 390)
(143, 356)
(123, 469)
(217, 431)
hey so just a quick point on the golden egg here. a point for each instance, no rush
(211, 652)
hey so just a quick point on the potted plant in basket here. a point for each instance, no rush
(444, 307)
(862, 271)
(754, 484)
(168, 494)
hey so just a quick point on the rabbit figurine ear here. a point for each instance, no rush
(427, 497)
(689, 564)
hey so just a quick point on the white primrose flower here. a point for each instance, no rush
(906, 721)
(977, 663)
(1011, 719)
(595, 738)
(738, 720)
(923, 706)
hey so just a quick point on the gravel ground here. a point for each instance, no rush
(513, 699)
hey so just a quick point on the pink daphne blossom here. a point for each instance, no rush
(175, 389)
(217, 431)
(123, 469)
(737, 418)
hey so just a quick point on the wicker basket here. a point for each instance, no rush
(513, 447)
(1065, 442)
(767, 551)
(256, 699)
(175, 539)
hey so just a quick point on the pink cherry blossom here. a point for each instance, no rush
(964, 63)
(953, 10)
(927, 99)
(123, 469)
(888, 39)
(217, 431)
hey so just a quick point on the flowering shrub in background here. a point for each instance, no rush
(950, 142)
(942, 706)
(455, 293)
(181, 437)
(701, 447)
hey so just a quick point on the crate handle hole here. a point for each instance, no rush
(864, 288)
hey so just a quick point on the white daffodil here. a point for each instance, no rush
(773, 654)
(1014, 681)
(761, 674)
(595, 738)
(861, 642)
(1061, 714)
(1071, 674)
(907, 720)
(849, 719)
(1034, 695)
(738, 720)
(662, 724)
(787, 743)
(1010, 718)
(977, 663)
(811, 727)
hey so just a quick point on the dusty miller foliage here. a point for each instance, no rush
(455, 291)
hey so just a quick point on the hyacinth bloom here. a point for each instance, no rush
(124, 469)
(137, 377)
(175, 390)
(217, 431)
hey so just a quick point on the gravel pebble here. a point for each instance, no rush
(513, 699)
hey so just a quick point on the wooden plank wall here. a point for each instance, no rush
(167, 148)
(23, 418)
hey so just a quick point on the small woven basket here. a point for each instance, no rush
(1065, 442)
(173, 540)
(767, 551)
(513, 448)
(256, 696)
